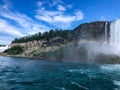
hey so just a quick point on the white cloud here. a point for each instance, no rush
(79, 15)
(5, 40)
(24, 23)
(39, 3)
(7, 28)
(15, 24)
(61, 17)
(54, 2)
(7, 4)
(61, 8)
(44, 18)
(18, 24)
(64, 19)
(102, 18)
(47, 16)
(69, 6)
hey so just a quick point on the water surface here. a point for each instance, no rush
(25, 74)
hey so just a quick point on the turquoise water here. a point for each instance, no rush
(24, 74)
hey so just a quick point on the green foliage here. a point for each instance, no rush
(67, 35)
(14, 50)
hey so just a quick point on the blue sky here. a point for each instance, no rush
(19, 18)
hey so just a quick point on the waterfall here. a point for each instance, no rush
(114, 39)
(115, 33)
(106, 32)
(3, 48)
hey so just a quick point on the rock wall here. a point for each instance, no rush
(90, 31)
(40, 43)
(93, 30)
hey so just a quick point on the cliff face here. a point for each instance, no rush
(98, 31)
(93, 31)
(35, 48)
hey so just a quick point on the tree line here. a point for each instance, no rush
(48, 35)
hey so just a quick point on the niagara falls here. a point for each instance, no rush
(59, 44)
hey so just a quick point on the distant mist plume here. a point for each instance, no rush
(88, 51)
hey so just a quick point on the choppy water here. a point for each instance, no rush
(24, 74)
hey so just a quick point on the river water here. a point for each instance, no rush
(25, 74)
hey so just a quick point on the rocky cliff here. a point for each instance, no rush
(60, 45)
(98, 30)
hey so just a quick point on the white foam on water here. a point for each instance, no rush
(78, 71)
(74, 70)
(60, 88)
(117, 83)
(80, 86)
(115, 67)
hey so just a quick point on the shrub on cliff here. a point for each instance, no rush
(14, 50)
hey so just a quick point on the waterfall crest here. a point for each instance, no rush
(115, 33)
(114, 39)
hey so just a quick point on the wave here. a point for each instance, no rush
(60, 88)
(76, 70)
(115, 67)
(78, 85)
(117, 83)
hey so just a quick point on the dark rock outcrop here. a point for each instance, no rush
(93, 31)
